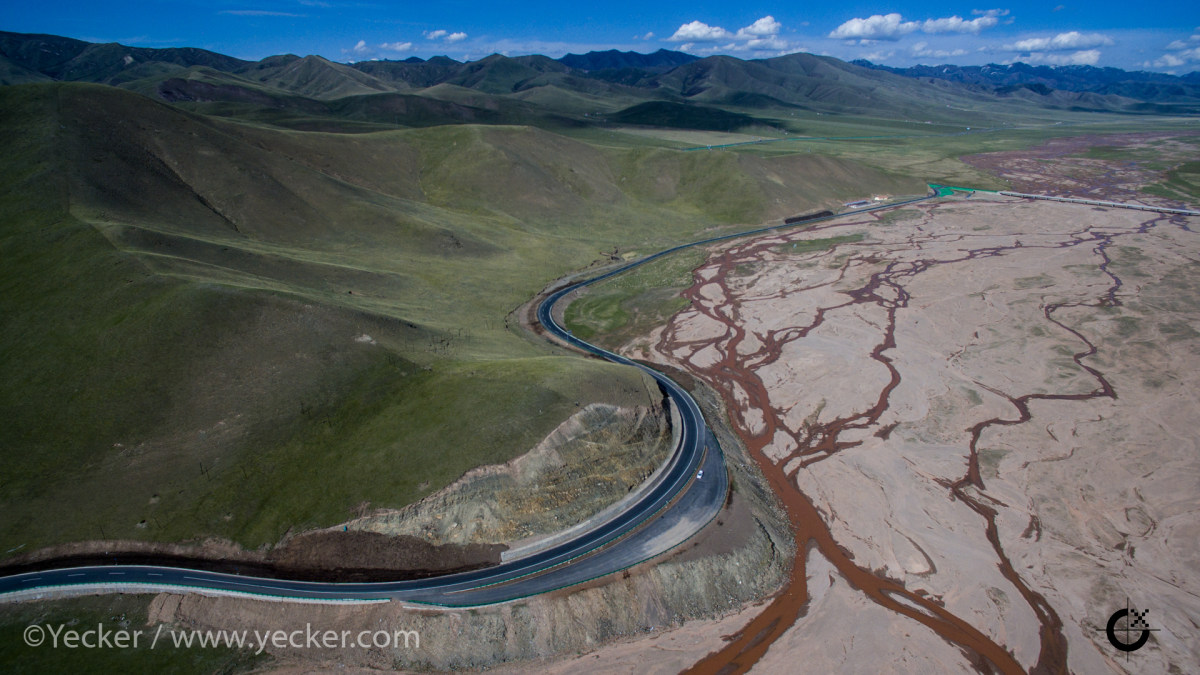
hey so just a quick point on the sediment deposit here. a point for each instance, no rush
(979, 412)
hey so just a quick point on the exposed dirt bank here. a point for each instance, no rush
(740, 558)
(589, 462)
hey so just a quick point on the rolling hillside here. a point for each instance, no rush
(66, 59)
(221, 329)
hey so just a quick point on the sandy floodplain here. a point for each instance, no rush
(981, 415)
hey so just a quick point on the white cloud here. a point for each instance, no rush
(397, 46)
(361, 49)
(1183, 44)
(764, 27)
(893, 26)
(444, 35)
(1060, 42)
(1081, 58)
(772, 42)
(922, 49)
(693, 48)
(698, 31)
(957, 24)
(1181, 57)
(878, 27)
(877, 57)
(647, 36)
(760, 37)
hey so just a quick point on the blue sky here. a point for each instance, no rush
(1163, 37)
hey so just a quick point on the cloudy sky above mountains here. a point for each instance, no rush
(1100, 32)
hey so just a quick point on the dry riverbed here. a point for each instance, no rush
(980, 412)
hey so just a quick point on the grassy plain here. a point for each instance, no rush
(913, 147)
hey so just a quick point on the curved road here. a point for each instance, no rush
(676, 507)
(669, 513)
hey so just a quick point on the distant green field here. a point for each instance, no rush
(1172, 156)
(936, 157)
(1182, 183)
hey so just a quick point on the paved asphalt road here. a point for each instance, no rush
(676, 508)
(664, 517)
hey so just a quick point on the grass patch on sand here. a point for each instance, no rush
(1182, 184)
(631, 304)
(810, 245)
(899, 216)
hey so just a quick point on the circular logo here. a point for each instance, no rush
(1134, 622)
(34, 635)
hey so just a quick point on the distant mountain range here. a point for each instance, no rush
(658, 62)
(1141, 85)
(665, 88)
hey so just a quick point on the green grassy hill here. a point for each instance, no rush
(66, 59)
(215, 328)
(683, 116)
(313, 77)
